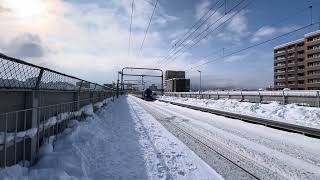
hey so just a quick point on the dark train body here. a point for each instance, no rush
(147, 95)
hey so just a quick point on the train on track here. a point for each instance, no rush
(147, 95)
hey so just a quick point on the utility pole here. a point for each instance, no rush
(118, 85)
(200, 82)
(311, 22)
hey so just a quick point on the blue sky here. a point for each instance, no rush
(90, 38)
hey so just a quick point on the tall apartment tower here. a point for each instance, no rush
(297, 64)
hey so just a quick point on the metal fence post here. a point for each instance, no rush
(284, 98)
(242, 97)
(260, 98)
(35, 116)
(5, 141)
(318, 99)
(218, 95)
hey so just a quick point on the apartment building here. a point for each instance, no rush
(297, 63)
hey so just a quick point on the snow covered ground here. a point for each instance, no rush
(119, 141)
(291, 113)
(283, 154)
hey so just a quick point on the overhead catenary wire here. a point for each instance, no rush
(183, 45)
(292, 15)
(210, 31)
(198, 23)
(187, 35)
(257, 44)
(146, 32)
(130, 28)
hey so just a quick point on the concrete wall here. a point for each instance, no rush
(309, 100)
(28, 101)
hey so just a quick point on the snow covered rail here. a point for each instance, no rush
(308, 98)
(312, 132)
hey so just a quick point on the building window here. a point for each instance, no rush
(316, 72)
(313, 81)
(311, 56)
(313, 38)
(314, 47)
(314, 64)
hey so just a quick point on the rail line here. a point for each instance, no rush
(252, 169)
(308, 131)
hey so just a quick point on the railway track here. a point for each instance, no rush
(311, 132)
(239, 166)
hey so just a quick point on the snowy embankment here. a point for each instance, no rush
(119, 141)
(291, 113)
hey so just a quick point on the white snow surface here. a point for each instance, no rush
(119, 141)
(291, 113)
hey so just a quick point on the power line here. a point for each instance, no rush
(145, 34)
(294, 14)
(257, 44)
(183, 45)
(173, 57)
(191, 28)
(186, 37)
(130, 27)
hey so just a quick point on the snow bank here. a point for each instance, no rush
(87, 110)
(10, 136)
(291, 113)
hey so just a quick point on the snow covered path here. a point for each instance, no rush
(285, 155)
(120, 141)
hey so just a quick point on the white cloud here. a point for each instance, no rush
(268, 31)
(86, 39)
(234, 30)
(238, 24)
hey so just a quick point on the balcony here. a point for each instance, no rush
(312, 43)
(280, 53)
(300, 63)
(279, 67)
(280, 60)
(291, 78)
(291, 65)
(309, 68)
(280, 73)
(313, 51)
(300, 70)
(313, 76)
(300, 55)
(300, 78)
(280, 80)
(300, 48)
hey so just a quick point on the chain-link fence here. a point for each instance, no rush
(36, 103)
(18, 74)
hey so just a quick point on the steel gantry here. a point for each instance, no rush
(139, 75)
